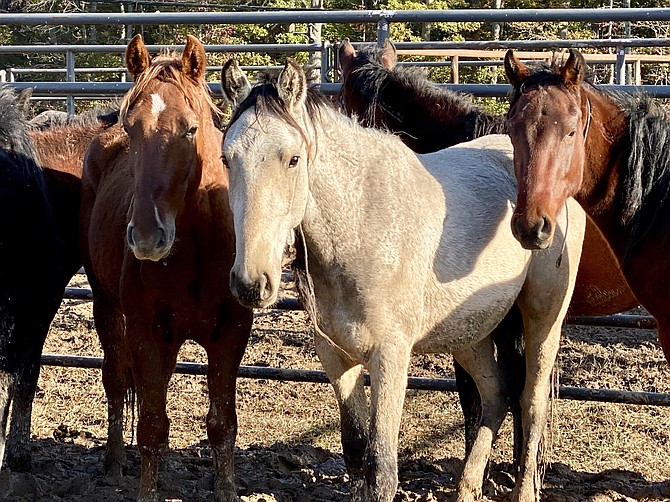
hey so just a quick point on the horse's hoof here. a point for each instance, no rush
(468, 494)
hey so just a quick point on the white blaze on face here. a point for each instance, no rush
(157, 105)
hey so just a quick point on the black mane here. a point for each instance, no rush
(427, 117)
(18, 151)
(645, 193)
(265, 98)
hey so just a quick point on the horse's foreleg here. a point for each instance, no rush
(479, 361)
(540, 357)
(153, 363)
(224, 358)
(28, 338)
(7, 381)
(347, 380)
(544, 302)
(116, 377)
(388, 364)
(18, 440)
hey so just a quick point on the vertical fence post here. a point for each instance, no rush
(454, 70)
(382, 31)
(314, 33)
(70, 77)
(326, 61)
(620, 65)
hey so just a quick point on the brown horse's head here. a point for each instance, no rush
(363, 73)
(547, 122)
(166, 115)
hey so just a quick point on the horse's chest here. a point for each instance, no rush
(190, 286)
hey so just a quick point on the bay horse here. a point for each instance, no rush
(157, 245)
(607, 150)
(32, 274)
(402, 253)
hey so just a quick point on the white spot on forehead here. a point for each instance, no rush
(157, 105)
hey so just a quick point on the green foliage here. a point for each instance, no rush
(297, 33)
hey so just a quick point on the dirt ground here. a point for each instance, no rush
(288, 441)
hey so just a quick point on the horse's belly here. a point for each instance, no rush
(464, 308)
(468, 321)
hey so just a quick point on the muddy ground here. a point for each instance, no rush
(288, 441)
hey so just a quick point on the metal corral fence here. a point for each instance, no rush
(382, 19)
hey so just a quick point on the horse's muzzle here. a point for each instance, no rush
(154, 247)
(252, 293)
(537, 234)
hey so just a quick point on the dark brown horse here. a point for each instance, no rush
(158, 244)
(611, 151)
(59, 151)
(401, 99)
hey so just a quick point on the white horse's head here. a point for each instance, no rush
(266, 149)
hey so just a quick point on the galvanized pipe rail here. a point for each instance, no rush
(418, 383)
(109, 89)
(616, 320)
(342, 16)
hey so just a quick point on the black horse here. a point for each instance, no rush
(40, 191)
(32, 279)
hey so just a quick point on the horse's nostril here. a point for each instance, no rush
(162, 239)
(129, 235)
(265, 287)
(546, 228)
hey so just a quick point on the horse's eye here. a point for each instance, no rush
(572, 133)
(191, 131)
(294, 161)
(225, 162)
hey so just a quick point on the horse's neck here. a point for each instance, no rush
(606, 156)
(445, 116)
(349, 199)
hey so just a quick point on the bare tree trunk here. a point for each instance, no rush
(495, 33)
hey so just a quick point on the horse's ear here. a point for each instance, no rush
(193, 59)
(234, 83)
(23, 101)
(574, 69)
(346, 53)
(138, 58)
(389, 56)
(515, 70)
(292, 85)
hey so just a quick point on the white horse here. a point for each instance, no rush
(405, 253)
